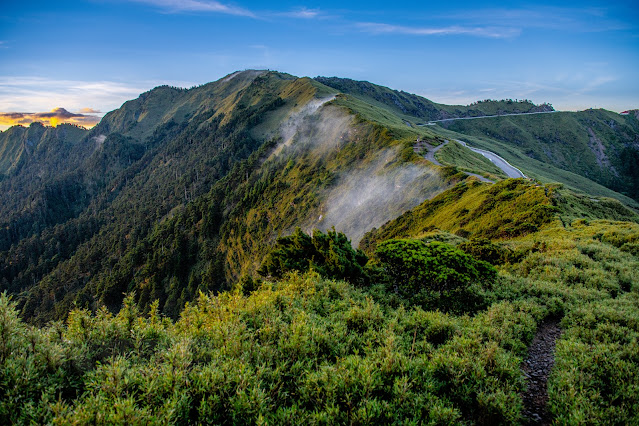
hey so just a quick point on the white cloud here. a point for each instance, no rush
(303, 13)
(491, 32)
(43, 94)
(174, 6)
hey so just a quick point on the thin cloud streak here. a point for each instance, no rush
(176, 6)
(490, 32)
(303, 13)
(557, 18)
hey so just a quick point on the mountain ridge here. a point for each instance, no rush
(183, 190)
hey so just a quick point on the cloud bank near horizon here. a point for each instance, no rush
(52, 118)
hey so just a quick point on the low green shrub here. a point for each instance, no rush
(435, 275)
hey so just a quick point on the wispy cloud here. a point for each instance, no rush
(41, 94)
(52, 118)
(478, 31)
(176, 6)
(558, 18)
(90, 111)
(303, 13)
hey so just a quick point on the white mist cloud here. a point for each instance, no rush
(309, 127)
(99, 140)
(371, 192)
(367, 198)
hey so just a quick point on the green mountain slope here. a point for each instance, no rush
(20, 144)
(412, 107)
(594, 151)
(306, 349)
(600, 145)
(181, 191)
(145, 235)
(186, 189)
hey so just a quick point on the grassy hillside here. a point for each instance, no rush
(181, 199)
(416, 109)
(541, 171)
(505, 210)
(594, 151)
(597, 144)
(580, 272)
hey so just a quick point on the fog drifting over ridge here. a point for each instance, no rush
(366, 196)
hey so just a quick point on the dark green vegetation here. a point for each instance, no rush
(331, 255)
(200, 204)
(435, 275)
(308, 350)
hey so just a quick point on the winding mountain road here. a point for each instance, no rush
(430, 156)
(432, 122)
(510, 170)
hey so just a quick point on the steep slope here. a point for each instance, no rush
(508, 209)
(39, 182)
(571, 258)
(19, 144)
(305, 349)
(189, 187)
(181, 191)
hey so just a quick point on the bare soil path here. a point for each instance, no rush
(537, 368)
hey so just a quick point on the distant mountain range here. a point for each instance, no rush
(181, 191)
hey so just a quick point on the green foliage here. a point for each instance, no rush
(416, 108)
(187, 191)
(484, 249)
(330, 254)
(303, 350)
(435, 275)
(597, 373)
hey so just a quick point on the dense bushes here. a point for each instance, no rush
(310, 350)
(302, 351)
(435, 275)
(330, 254)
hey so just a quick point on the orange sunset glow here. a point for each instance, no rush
(52, 118)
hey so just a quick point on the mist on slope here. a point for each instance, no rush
(367, 195)
(312, 127)
(367, 198)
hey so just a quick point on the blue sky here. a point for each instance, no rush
(93, 55)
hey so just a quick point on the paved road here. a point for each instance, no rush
(432, 122)
(510, 170)
(430, 156)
